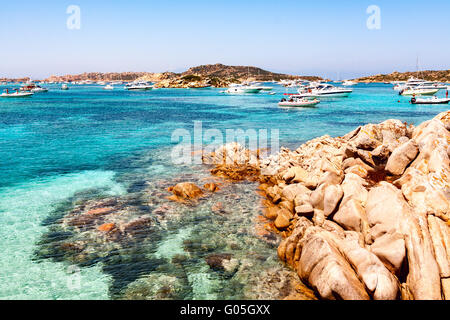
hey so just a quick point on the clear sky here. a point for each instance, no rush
(321, 37)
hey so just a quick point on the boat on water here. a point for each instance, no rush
(242, 89)
(138, 86)
(433, 100)
(418, 91)
(259, 85)
(324, 90)
(64, 87)
(108, 87)
(298, 102)
(348, 83)
(33, 88)
(16, 94)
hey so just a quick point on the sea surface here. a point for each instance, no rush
(64, 153)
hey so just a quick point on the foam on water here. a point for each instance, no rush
(22, 209)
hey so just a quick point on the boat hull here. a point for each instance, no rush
(425, 92)
(139, 89)
(17, 95)
(299, 104)
(243, 91)
(430, 101)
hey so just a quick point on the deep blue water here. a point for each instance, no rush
(57, 146)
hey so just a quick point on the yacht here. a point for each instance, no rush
(64, 86)
(348, 83)
(16, 94)
(432, 100)
(418, 91)
(242, 89)
(108, 87)
(324, 90)
(138, 86)
(33, 88)
(298, 102)
(263, 88)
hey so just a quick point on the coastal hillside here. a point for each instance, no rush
(97, 76)
(216, 75)
(219, 75)
(430, 75)
(241, 72)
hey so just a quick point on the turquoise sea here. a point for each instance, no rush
(63, 153)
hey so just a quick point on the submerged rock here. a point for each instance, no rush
(185, 191)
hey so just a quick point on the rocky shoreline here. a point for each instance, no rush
(429, 75)
(362, 216)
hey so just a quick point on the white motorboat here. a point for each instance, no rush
(298, 102)
(108, 87)
(242, 89)
(64, 87)
(348, 83)
(16, 94)
(38, 89)
(263, 88)
(33, 88)
(433, 100)
(417, 91)
(412, 81)
(324, 90)
(138, 86)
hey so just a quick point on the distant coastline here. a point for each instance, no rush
(219, 75)
(216, 75)
(429, 75)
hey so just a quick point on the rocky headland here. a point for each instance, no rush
(362, 216)
(429, 75)
(212, 75)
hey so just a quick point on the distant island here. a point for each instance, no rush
(216, 75)
(429, 75)
(220, 76)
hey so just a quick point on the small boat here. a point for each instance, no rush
(418, 92)
(348, 83)
(64, 87)
(33, 88)
(433, 100)
(242, 89)
(298, 102)
(38, 89)
(324, 90)
(108, 87)
(16, 94)
(139, 86)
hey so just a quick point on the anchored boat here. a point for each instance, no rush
(16, 94)
(298, 102)
(433, 100)
(324, 90)
(241, 89)
(139, 86)
(418, 91)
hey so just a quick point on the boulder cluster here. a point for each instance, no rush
(362, 216)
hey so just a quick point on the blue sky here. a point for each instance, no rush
(323, 37)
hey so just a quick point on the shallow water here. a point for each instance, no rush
(63, 150)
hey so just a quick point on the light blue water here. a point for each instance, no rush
(62, 150)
